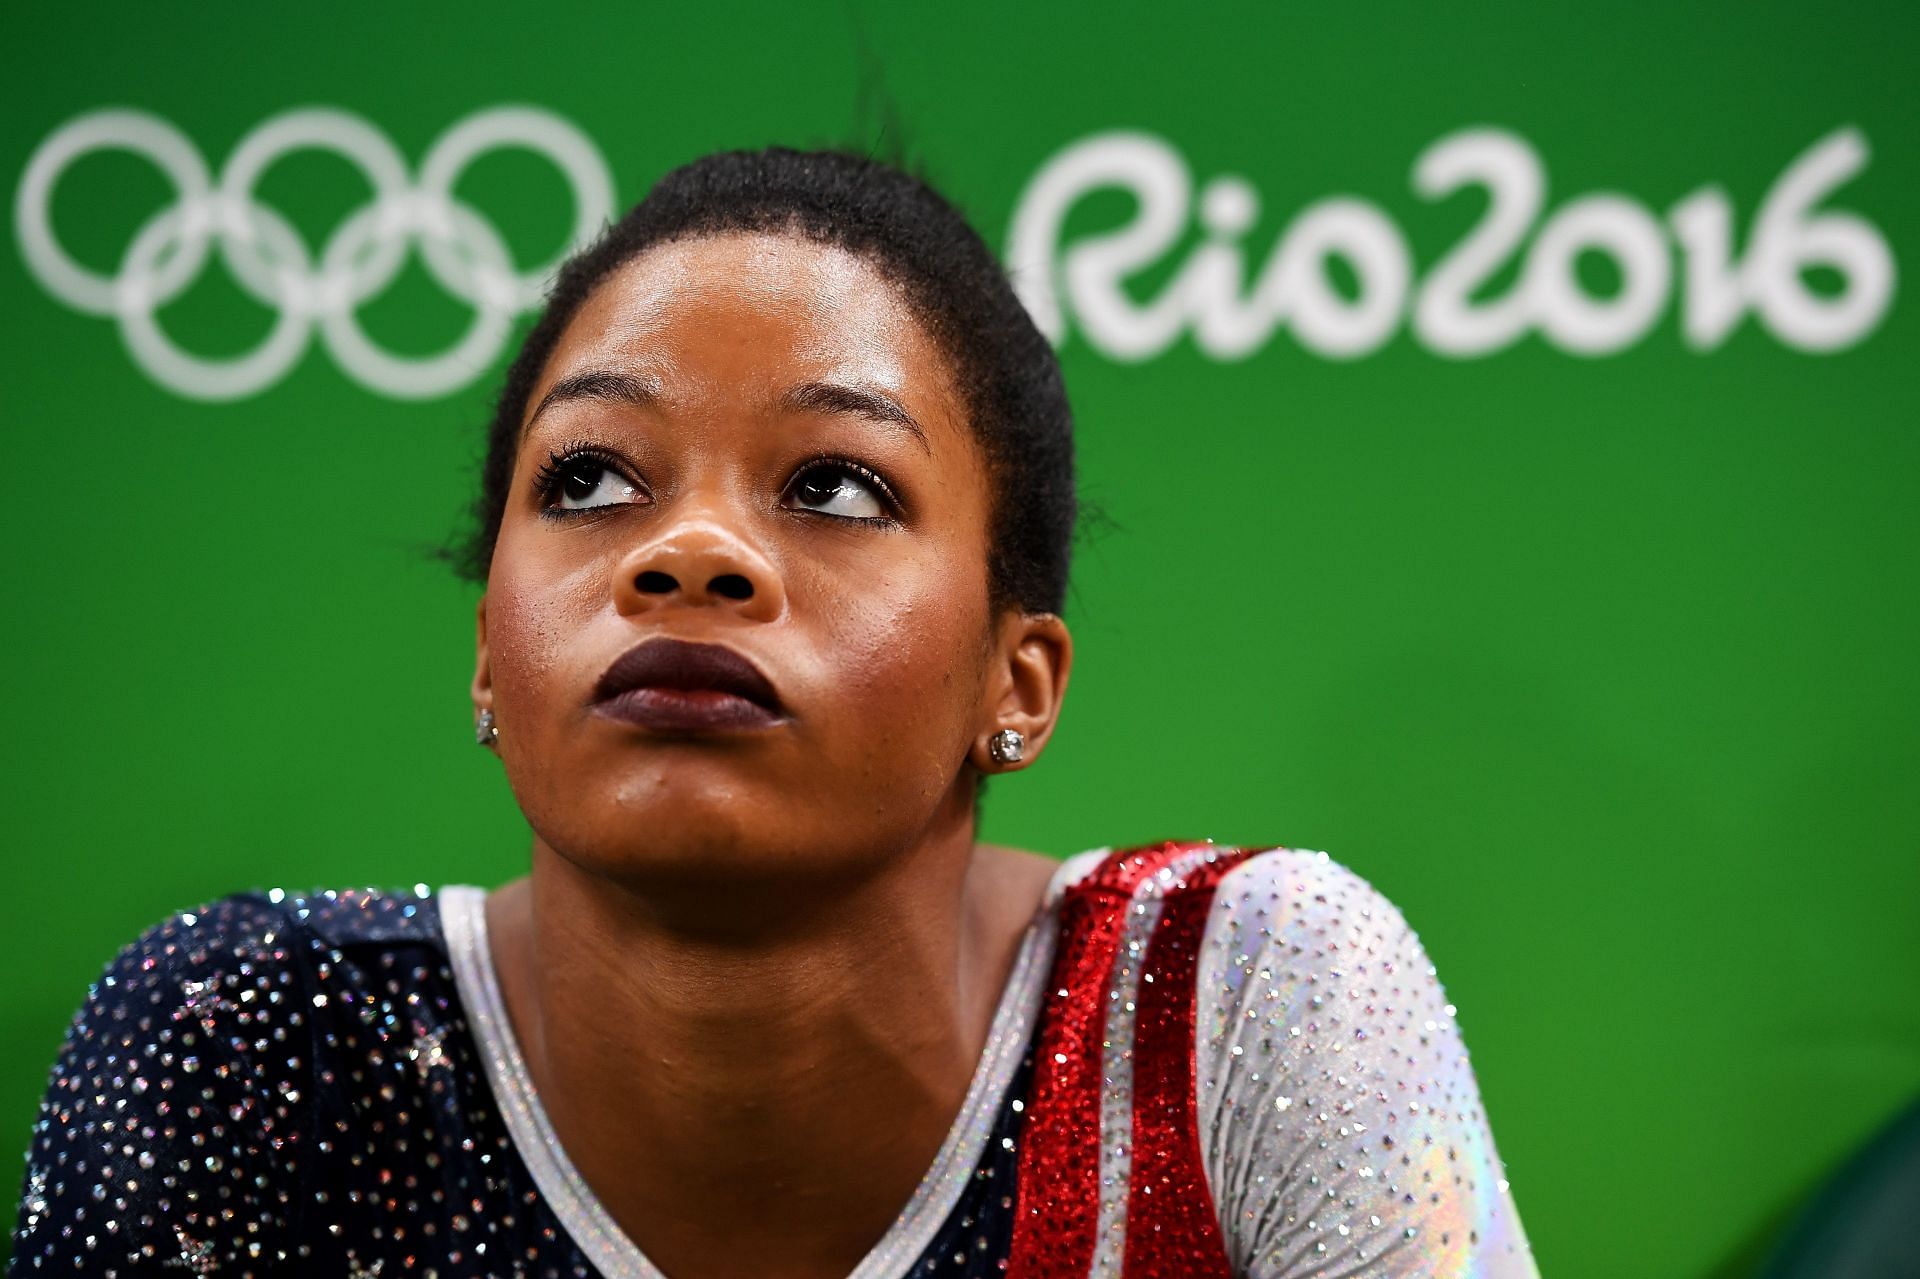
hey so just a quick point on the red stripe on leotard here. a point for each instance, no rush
(1059, 1186)
(1172, 1226)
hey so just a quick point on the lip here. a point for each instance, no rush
(676, 686)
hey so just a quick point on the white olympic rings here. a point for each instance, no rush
(267, 257)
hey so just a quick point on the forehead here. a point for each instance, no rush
(749, 314)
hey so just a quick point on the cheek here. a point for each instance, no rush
(533, 611)
(906, 635)
(908, 656)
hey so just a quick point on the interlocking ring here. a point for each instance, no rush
(462, 251)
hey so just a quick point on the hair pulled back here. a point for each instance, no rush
(1005, 369)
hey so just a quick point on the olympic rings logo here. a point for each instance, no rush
(461, 250)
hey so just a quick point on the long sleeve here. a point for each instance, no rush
(172, 1135)
(1340, 1122)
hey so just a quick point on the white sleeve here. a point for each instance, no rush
(1340, 1124)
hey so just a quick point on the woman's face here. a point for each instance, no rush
(748, 447)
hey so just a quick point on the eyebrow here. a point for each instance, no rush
(599, 384)
(808, 397)
(855, 401)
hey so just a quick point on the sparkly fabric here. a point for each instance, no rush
(1077, 1210)
(277, 1085)
(1171, 1224)
(1060, 1208)
(1339, 1118)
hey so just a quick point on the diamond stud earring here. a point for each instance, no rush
(1007, 746)
(484, 731)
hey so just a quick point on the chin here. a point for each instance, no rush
(707, 834)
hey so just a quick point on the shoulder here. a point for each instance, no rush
(1305, 964)
(173, 958)
(245, 934)
(1331, 1105)
(1260, 887)
(227, 977)
(1254, 898)
(1317, 912)
(1329, 1066)
(223, 1035)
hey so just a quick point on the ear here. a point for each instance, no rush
(1026, 682)
(482, 668)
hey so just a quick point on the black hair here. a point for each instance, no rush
(1004, 367)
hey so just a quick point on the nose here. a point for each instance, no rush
(699, 563)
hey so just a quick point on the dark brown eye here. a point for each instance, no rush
(835, 488)
(583, 481)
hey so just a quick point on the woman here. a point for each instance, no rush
(774, 532)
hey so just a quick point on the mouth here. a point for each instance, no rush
(673, 686)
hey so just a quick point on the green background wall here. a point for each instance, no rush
(1601, 666)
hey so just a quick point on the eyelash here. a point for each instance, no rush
(881, 489)
(546, 481)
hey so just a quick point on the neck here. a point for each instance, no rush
(798, 1073)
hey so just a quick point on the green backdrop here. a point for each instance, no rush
(1549, 560)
